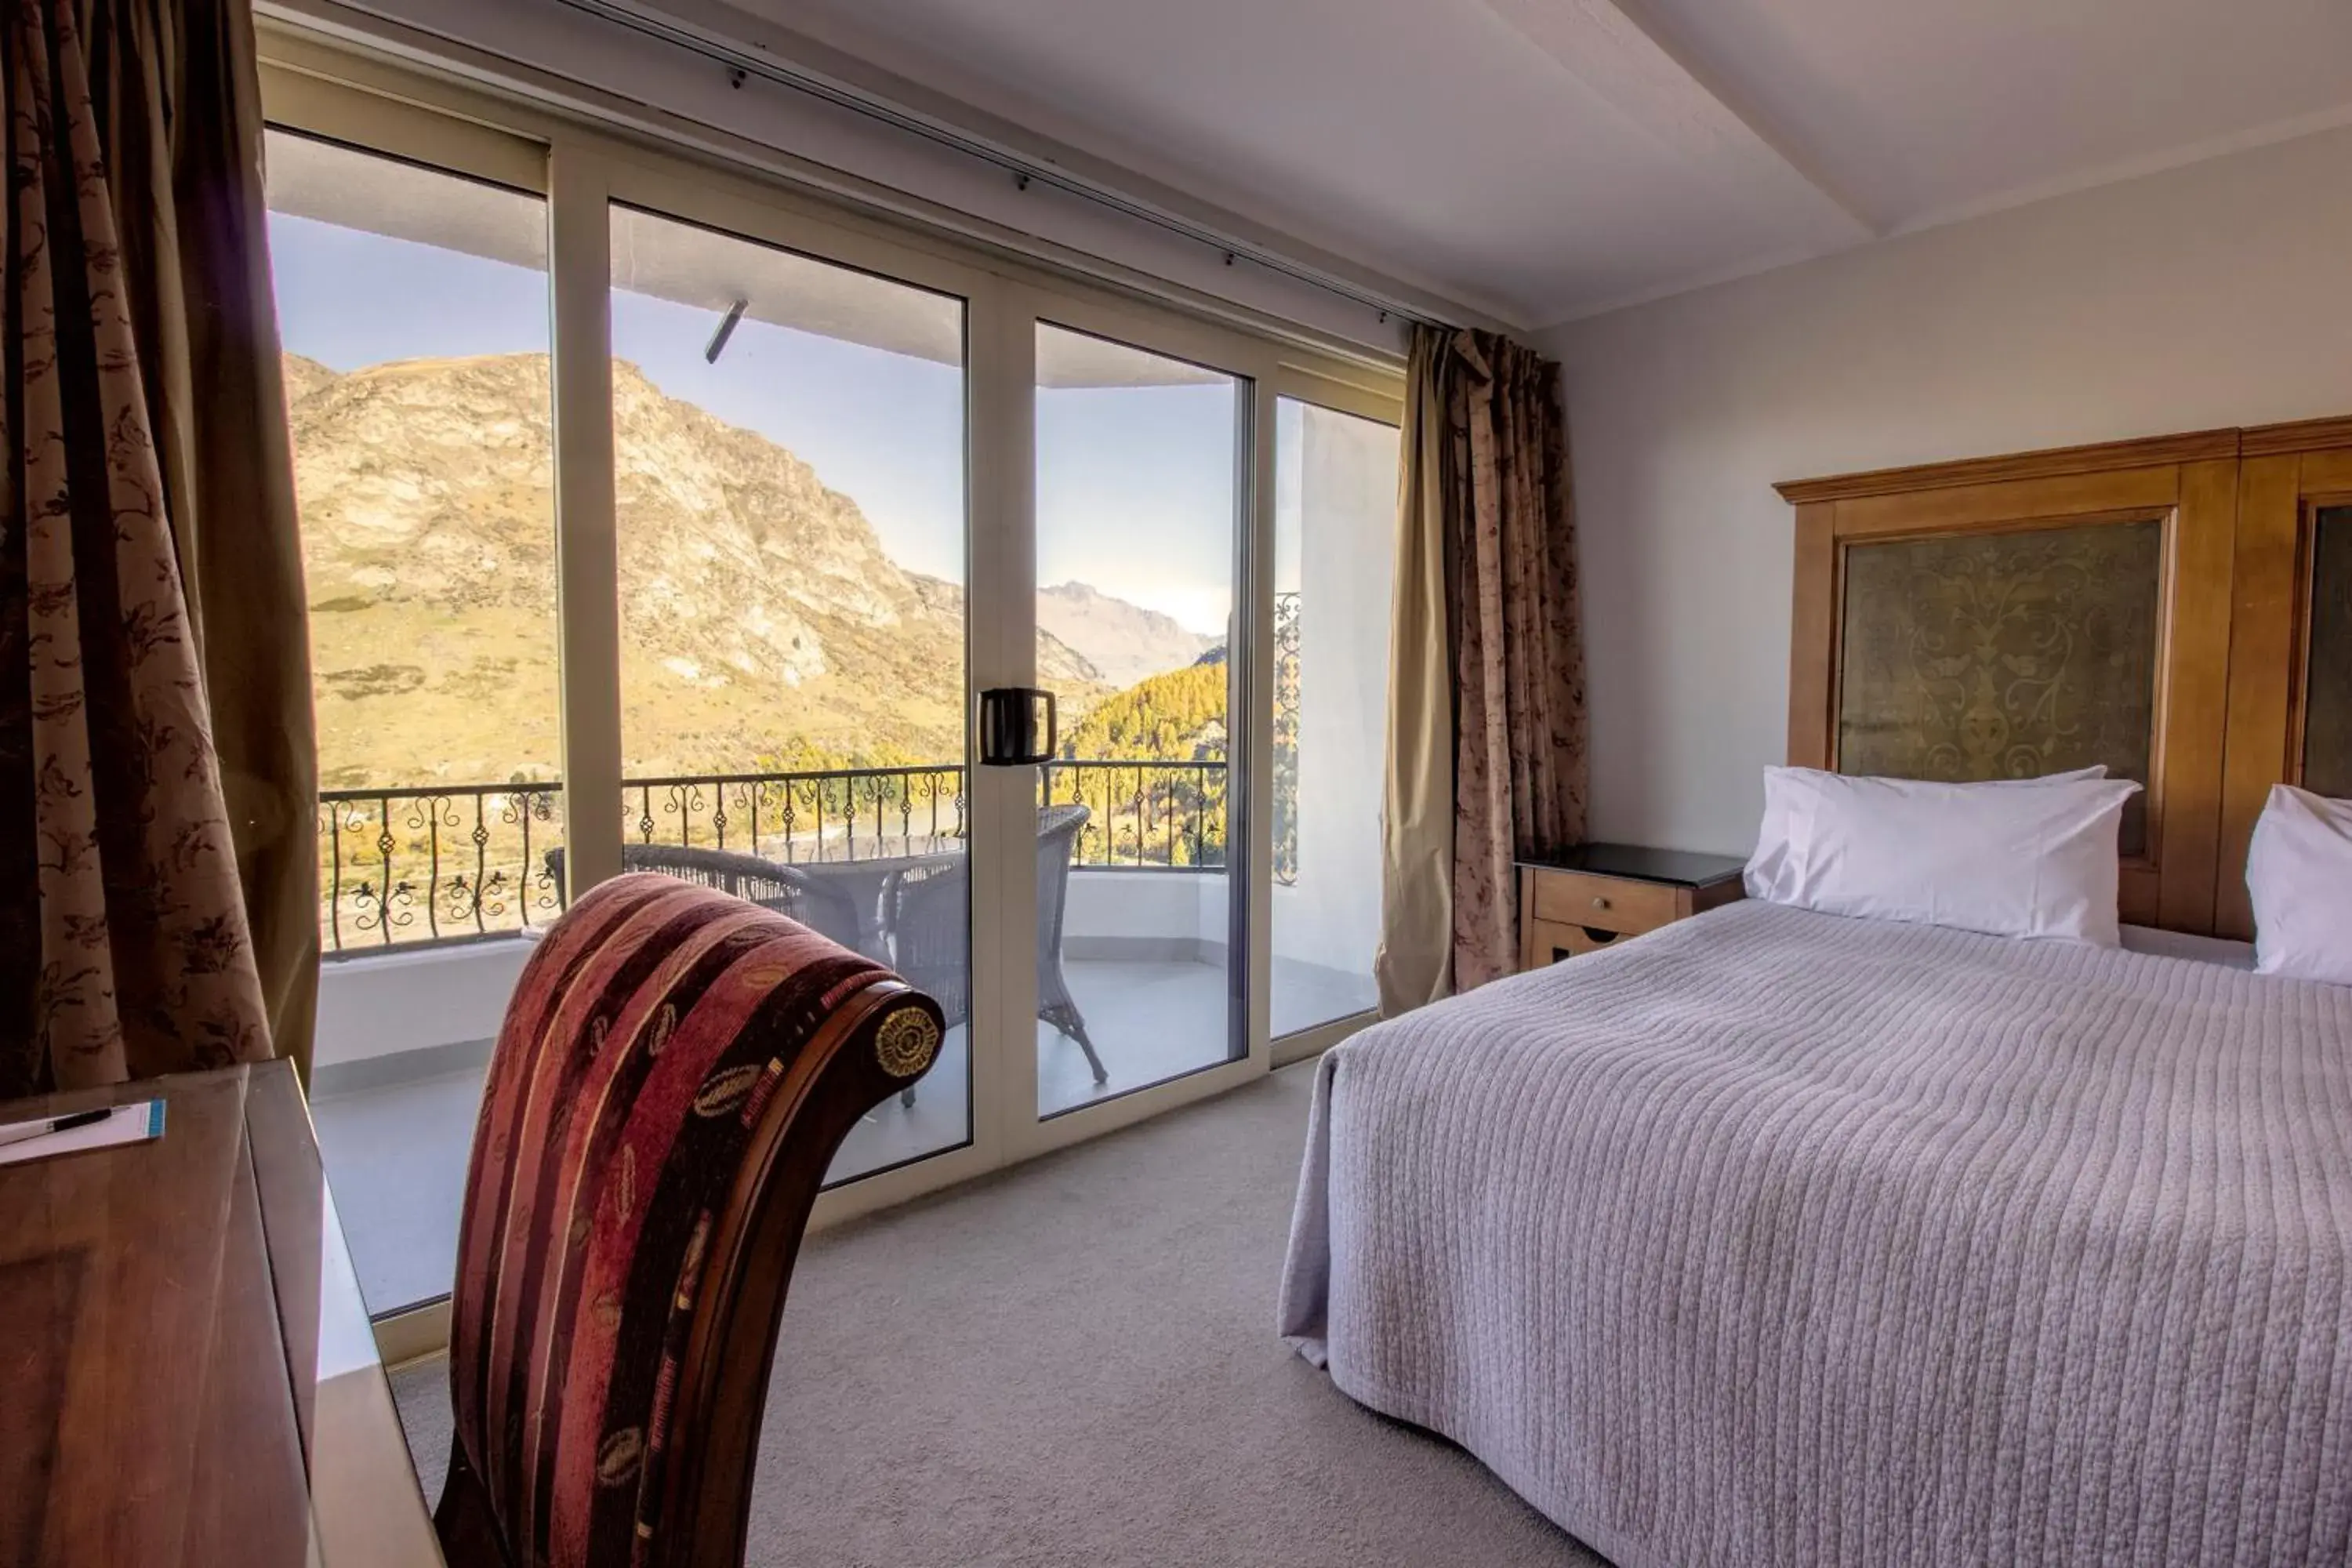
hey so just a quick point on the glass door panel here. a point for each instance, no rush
(1335, 553)
(413, 308)
(1138, 508)
(789, 459)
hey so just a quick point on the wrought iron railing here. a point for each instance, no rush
(1286, 738)
(835, 814)
(404, 867)
(413, 868)
(1143, 816)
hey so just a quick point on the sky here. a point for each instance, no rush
(1135, 491)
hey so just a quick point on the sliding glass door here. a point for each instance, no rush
(789, 484)
(658, 518)
(1140, 481)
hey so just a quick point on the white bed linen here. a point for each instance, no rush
(2018, 857)
(1775, 1237)
(2184, 944)
(1772, 870)
(2299, 874)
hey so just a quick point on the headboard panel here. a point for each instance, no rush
(2291, 645)
(2010, 617)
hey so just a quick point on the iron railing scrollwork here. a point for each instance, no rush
(833, 813)
(445, 864)
(403, 868)
(1286, 738)
(1143, 816)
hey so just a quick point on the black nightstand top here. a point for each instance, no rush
(1675, 868)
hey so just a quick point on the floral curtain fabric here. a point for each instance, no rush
(1487, 704)
(1518, 655)
(126, 949)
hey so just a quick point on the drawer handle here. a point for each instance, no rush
(1598, 903)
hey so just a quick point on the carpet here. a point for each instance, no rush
(1073, 1362)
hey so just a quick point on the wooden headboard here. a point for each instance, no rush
(2178, 608)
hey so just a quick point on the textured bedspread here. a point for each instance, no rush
(1774, 1238)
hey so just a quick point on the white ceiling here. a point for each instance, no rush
(1545, 159)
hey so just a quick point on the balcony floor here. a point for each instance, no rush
(396, 1152)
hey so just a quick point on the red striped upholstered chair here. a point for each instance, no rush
(677, 1069)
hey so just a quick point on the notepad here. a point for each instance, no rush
(133, 1124)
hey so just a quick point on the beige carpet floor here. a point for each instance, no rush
(1073, 1363)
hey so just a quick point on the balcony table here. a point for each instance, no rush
(187, 1375)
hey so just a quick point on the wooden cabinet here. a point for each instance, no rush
(1600, 894)
(1616, 904)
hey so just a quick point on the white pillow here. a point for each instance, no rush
(2039, 861)
(1769, 876)
(2299, 871)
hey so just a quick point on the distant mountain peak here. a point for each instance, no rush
(1124, 640)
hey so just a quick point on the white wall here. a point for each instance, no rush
(2215, 295)
(1345, 508)
(1146, 917)
(378, 1005)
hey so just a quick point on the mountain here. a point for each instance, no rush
(1177, 715)
(303, 377)
(760, 613)
(1126, 642)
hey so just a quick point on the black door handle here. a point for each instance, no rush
(1009, 726)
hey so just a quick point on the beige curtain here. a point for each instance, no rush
(157, 871)
(1414, 962)
(1486, 731)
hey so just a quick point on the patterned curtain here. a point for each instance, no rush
(136, 395)
(1486, 721)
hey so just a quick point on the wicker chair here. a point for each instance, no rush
(926, 913)
(786, 889)
(675, 1072)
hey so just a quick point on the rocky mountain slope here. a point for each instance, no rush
(759, 612)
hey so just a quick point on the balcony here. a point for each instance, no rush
(431, 898)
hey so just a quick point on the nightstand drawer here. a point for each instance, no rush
(1548, 941)
(1604, 903)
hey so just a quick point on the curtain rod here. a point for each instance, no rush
(742, 61)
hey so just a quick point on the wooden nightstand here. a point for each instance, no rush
(1589, 896)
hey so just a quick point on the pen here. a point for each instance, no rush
(60, 1124)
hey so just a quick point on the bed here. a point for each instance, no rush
(1778, 1237)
